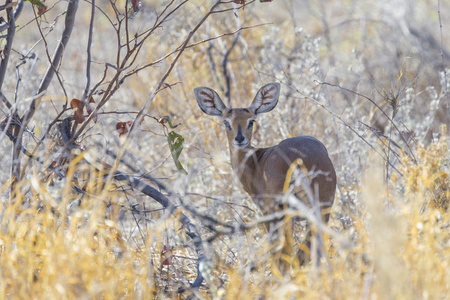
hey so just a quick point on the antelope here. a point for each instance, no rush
(263, 171)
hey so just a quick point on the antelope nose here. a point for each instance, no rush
(239, 138)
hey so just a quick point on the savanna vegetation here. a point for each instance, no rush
(114, 184)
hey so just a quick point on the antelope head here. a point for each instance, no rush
(238, 121)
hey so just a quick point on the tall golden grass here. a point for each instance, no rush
(396, 248)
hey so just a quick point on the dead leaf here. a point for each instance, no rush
(123, 127)
(78, 106)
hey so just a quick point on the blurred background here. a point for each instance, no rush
(364, 77)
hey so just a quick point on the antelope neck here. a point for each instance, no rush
(239, 157)
(246, 159)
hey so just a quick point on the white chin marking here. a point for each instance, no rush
(240, 146)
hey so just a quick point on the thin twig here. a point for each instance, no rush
(51, 70)
(89, 59)
(9, 42)
(225, 61)
(136, 70)
(121, 66)
(56, 60)
(349, 127)
(5, 100)
(172, 65)
(138, 45)
(17, 13)
(233, 8)
(43, 38)
(443, 60)
(377, 106)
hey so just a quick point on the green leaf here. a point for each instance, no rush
(176, 146)
(37, 3)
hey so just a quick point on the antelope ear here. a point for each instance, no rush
(209, 101)
(266, 98)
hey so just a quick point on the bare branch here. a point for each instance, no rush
(135, 71)
(158, 24)
(172, 65)
(122, 67)
(9, 42)
(225, 60)
(5, 101)
(443, 60)
(89, 59)
(17, 13)
(69, 23)
(352, 130)
(51, 70)
(377, 106)
(234, 8)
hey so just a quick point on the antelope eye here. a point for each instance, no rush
(250, 123)
(227, 125)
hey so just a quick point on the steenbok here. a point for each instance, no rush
(268, 174)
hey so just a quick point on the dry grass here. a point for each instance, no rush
(390, 232)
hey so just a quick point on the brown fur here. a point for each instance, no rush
(262, 171)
